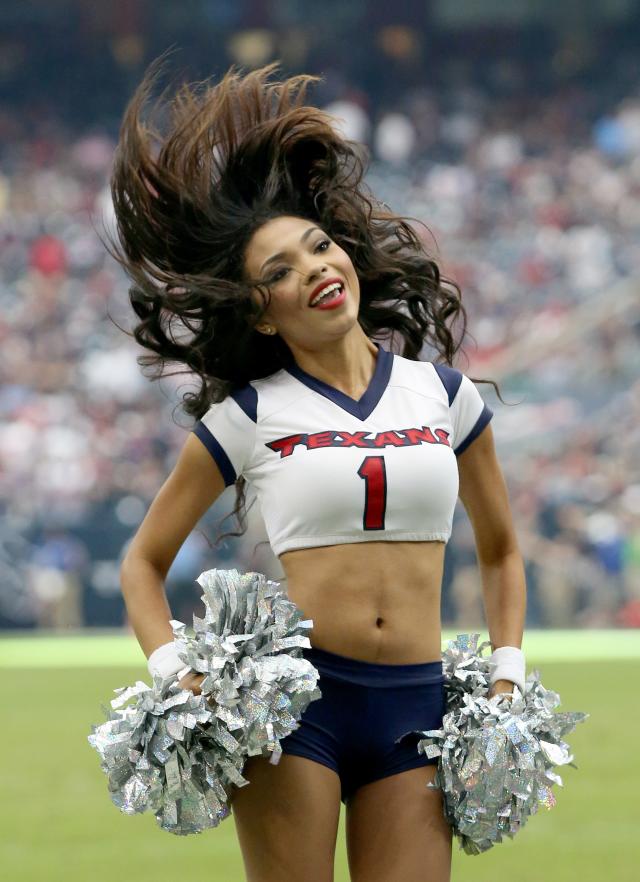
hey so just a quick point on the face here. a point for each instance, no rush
(293, 257)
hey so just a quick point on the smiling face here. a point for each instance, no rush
(293, 256)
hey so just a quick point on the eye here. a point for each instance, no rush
(280, 274)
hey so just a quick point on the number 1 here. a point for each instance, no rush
(372, 471)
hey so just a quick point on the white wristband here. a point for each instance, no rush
(166, 662)
(509, 665)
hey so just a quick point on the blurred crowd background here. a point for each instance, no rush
(510, 129)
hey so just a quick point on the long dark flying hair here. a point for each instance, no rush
(236, 155)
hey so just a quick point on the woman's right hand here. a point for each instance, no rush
(192, 681)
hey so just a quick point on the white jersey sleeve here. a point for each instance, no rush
(228, 431)
(469, 414)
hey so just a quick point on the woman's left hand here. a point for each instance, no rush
(501, 686)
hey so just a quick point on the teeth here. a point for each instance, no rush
(326, 292)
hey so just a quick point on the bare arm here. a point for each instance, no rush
(483, 492)
(193, 485)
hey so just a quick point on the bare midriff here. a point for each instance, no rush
(374, 601)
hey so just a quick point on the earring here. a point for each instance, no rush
(270, 330)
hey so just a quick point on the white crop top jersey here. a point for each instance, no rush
(328, 469)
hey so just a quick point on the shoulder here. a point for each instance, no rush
(257, 399)
(434, 379)
(461, 390)
(243, 399)
(451, 378)
(246, 397)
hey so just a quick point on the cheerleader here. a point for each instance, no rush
(262, 263)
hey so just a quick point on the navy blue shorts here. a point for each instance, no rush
(364, 707)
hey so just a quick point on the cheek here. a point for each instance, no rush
(270, 301)
(282, 301)
(347, 266)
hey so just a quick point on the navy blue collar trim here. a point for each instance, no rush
(364, 406)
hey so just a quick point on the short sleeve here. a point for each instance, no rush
(228, 431)
(469, 414)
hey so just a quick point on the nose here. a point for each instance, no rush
(317, 272)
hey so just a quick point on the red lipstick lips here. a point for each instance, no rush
(323, 284)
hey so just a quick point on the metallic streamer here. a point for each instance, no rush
(496, 754)
(178, 754)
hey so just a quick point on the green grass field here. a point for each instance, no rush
(58, 822)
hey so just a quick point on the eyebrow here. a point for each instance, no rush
(280, 254)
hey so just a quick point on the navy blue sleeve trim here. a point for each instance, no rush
(481, 422)
(217, 452)
(247, 399)
(451, 379)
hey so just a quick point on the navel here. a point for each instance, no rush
(379, 622)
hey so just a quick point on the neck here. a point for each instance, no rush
(347, 364)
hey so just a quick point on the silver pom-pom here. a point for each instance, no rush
(496, 755)
(178, 754)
